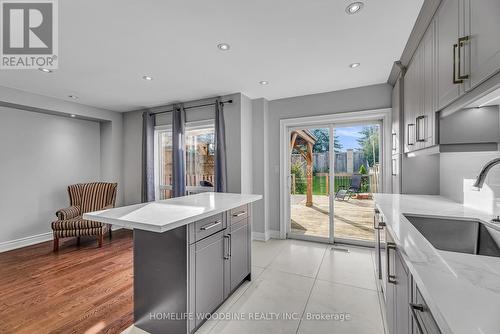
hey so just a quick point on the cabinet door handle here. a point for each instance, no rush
(419, 121)
(210, 226)
(455, 80)
(241, 213)
(410, 142)
(390, 278)
(230, 244)
(461, 42)
(413, 309)
(226, 257)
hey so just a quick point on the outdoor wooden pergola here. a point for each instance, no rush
(303, 141)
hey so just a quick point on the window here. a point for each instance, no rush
(200, 158)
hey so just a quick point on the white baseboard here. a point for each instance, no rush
(33, 240)
(23, 242)
(274, 234)
(259, 236)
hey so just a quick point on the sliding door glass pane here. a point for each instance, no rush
(357, 170)
(309, 182)
(200, 153)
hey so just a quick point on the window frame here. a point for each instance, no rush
(194, 125)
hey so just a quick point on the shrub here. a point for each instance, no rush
(300, 178)
(362, 170)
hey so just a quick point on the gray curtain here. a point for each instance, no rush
(148, 174)
(220, 148)
(178, 151)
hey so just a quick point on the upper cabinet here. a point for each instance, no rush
(459, 50)
(468, 46)
(447, 34)
(482, 29)
(420, 95)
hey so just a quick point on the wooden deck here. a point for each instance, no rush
(353, 219)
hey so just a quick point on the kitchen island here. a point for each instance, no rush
(190, 254)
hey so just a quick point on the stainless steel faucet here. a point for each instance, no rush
(484, 172)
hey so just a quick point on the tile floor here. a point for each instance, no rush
(304, 280)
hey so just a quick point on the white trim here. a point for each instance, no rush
(259, 236)
(383, 115)
(26, 241)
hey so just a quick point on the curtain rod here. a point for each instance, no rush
(192, 107)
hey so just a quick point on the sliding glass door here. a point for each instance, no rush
(333, 171)
(310, 192)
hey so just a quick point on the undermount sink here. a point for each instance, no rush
(458, 235)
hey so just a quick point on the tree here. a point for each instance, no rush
(323, 140)
(369, 143)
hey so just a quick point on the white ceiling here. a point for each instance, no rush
(299, 46)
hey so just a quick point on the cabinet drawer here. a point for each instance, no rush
(422, 316)
(206, 227)
(239, 213)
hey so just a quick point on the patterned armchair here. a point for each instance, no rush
(84, 197)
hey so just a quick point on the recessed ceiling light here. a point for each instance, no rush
(72, 115)
(354, 7)
(264, 82)
(223, 46)
(354, 65)
(147, 78)
(45, 70)
(74, 97)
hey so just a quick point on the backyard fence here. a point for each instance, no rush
(321, 161)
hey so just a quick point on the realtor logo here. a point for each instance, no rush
(28, 34)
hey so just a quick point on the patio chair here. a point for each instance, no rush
(354, 188)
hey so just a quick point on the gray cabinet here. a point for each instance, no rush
(240, 252)
(209, 274)
(403, 283)
(396, 117)
(397, 293)
(411, 102)
(482, 26)
(190, 270)
(422, 321)
(448, 31)
(468, 47)
(420, 95)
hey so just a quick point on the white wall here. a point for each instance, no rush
(458, 172)
(260, 111)
(41, 155)
(247, 138)
(132, 143)
(43, 150)
(355, 99)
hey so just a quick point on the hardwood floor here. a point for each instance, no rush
(80, 289)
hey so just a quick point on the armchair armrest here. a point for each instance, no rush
(68, 213)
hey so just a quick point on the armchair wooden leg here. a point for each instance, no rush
(100, 239)
(56, 244)
(110, 233)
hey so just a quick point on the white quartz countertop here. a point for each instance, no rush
(461, 290)
(162, 216)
